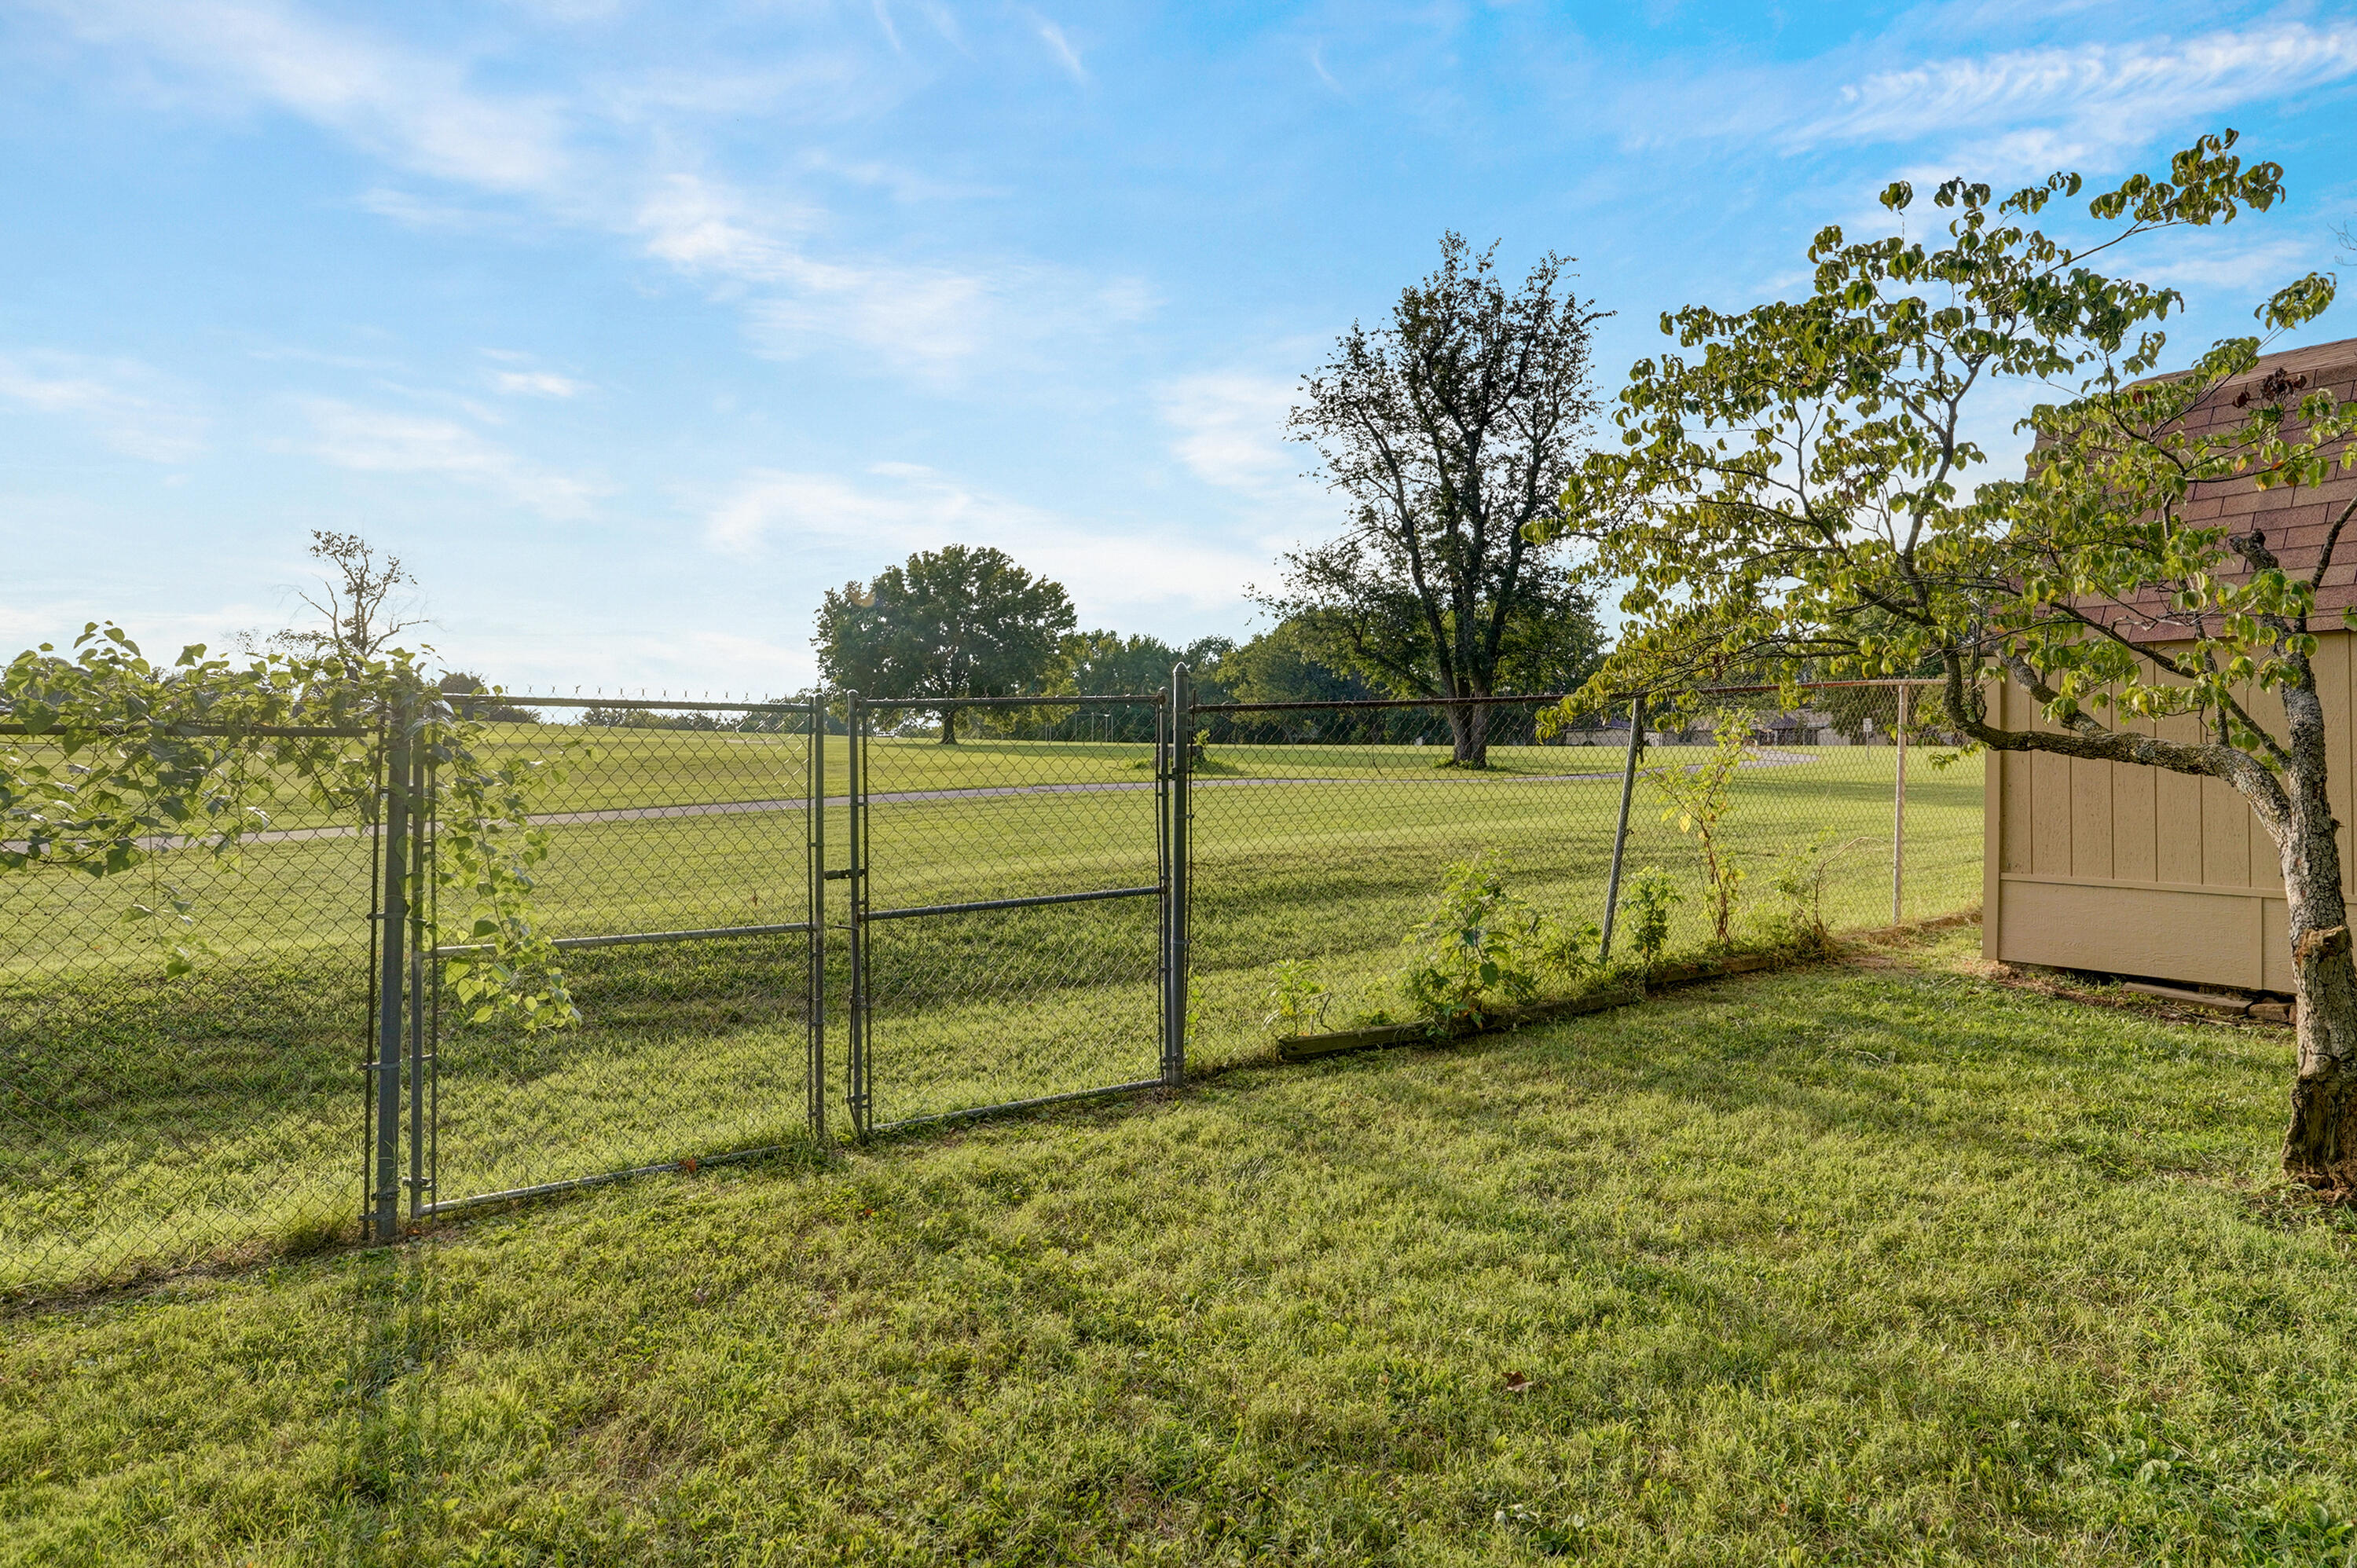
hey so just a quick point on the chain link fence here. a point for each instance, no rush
(1322, 832)
(773, 915)
(183, 1045)
(678, 888)
(1009, 903)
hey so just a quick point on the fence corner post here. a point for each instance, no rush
(1179, 846)
(393, 980)
(1898, 818)
(814, 912)
(1621, 830)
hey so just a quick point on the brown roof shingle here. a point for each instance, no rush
(2294, 521)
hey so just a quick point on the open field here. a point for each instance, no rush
(155, 1122)
(1837, 1265)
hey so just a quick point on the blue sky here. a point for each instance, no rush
(634, 327)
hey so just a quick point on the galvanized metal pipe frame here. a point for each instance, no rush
(417, 1005)
(1169, 770)
(1620, 828)
(383, 1209)
(1175, 817)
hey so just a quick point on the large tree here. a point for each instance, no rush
(1799, 489)
(1290, 662)
(951, 623)
(1449, 430)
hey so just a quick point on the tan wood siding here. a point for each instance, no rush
(2137, 871)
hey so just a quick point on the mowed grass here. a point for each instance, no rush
(1837, 1265)
(154, 1122)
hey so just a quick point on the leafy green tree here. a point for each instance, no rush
(1287, 663)
(1798, 489)
(1090, 663)
(1448, 431)
(491, 705)
(956, 622)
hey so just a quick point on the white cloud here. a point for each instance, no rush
(924, 320)
(622, 155)
(536, 383)
(1230, 428)
(135, 410)
(894, 509)
(379, 441)
(2058, 106)
(416, 109)
(1060, 48)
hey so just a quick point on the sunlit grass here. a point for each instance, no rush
(1839, 1265)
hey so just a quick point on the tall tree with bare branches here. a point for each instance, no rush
(360, 599)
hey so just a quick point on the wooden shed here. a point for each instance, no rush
(2141, 872)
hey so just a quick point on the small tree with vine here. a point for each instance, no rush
(1698, 796)
(119, 761)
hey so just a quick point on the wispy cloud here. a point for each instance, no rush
(382, 441)
(536, 383)
(1231, 426)
(417, 109)
(931, 321)
(1060, 48)
(625, 155)
(2067, 103)
(133, 408)
(892, 508)
(2006, 113)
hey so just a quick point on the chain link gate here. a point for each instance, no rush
(1016, 909)
(686, 845)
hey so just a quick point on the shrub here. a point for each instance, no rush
(1478, 947)
(1799, 918)
(1297, 1001)
(1698, 798)
(1650, 897)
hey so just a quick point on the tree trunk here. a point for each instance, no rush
(2320, 1145)
(949, 724)
(1468, 733)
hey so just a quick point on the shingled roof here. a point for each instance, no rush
(2294, 521)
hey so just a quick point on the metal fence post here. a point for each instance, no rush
(1898, 818)
(424, 1108)
(856, 1094)
(814, 877)
(1176, 889)
(393, 977)
(1621, 831)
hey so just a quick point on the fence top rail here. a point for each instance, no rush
(252, 732)
(627, 705)
(1360, 705)
(1351, 706)
(936, 702)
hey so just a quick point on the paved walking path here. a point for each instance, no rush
(981, 792)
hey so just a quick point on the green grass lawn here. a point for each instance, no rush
(146, 1122)
(1836, 1266)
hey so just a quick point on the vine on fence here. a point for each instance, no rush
(121, 759)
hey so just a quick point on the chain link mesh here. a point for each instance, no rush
(968, 1008)
(181, 1048)
(677, 848)
(1322, 832)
